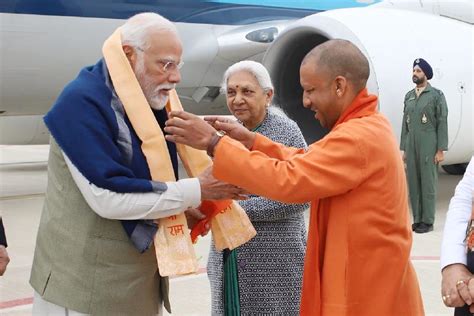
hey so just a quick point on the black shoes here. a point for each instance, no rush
(422, 228)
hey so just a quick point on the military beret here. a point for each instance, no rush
(423, 64)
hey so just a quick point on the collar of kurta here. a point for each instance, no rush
(364, 104)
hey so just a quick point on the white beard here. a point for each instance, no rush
(156, 100)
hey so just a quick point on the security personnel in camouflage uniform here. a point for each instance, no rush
(423, 140)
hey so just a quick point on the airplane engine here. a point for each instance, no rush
(391, 39)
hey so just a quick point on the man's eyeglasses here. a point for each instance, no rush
(167, 65)
(170, 65)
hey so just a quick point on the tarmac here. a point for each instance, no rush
(23, 180)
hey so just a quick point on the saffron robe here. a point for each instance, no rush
(358, 254)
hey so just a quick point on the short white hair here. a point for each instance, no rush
(254, 68)
(137, 28)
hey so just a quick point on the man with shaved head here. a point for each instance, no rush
(358, 253)
(348, 68)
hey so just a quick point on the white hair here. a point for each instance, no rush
(254, 68)
(137, 28)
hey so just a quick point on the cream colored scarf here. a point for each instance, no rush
(174, 250)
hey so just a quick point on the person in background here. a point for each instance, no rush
(423, 142)
(457, 256)
(269, 268)
(4, 258)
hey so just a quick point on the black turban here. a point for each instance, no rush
(423, 64)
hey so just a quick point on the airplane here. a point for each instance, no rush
(46, 43)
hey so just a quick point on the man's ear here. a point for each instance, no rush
(341, 85)
(131, 54)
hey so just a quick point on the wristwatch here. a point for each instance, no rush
(216, 137)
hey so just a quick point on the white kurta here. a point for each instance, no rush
(179, 196)
(453, 246)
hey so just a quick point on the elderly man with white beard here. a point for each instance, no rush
(95, 249)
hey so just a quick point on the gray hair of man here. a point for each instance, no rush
(254, 68)
(137, 28)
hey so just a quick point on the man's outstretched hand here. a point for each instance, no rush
(188, 129)
(233, 129)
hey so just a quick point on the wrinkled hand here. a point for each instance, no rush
(4, 259)
(456, 287)
(466, 291)
(213, 189)
(193, 216)
(232, 129)
(439, 156)
(188, 129)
